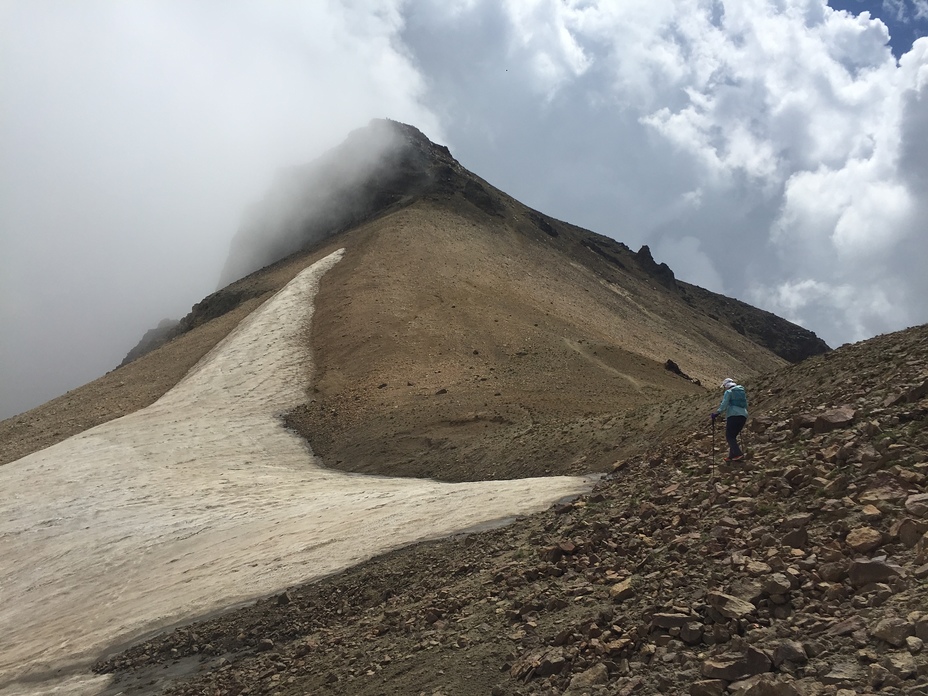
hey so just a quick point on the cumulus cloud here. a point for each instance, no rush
(776, 136)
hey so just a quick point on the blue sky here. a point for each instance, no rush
(906, 20)
(770, 150)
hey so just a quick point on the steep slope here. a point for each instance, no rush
(456, 344)
(801, 572)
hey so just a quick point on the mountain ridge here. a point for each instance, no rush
(326, 197)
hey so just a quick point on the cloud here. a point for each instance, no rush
(134, 135)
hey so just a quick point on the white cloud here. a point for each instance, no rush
(687, 252)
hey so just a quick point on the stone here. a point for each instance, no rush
(843, 673)
(538, 663)
(878, 675)
(921, 627)
(789, 651)
(757, 569)
(734, 666)
(691, 633)
(622, 590)
(834, 419)
(729, 606)
(864, 539)
(777, 584)
(888, 492)
(768, 685)
(917, 505)
(871, 513)
(921, 549)
(908, 531)
(708, 687)
(900, 664)
(797, 521)
(833, 572)
(797, 539)
(847, 626)
(597, 674)
(669, 620)
(914, 645)
(893, 630)
(864, 571)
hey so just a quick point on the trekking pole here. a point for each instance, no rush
(744, 441)
(712, 473)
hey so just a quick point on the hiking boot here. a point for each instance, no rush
(734, 459)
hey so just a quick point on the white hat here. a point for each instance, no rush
(728, 383)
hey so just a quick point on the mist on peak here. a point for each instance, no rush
(375, 167)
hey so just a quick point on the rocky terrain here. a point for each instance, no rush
(803, 570)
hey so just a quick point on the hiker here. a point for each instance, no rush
(735, 407)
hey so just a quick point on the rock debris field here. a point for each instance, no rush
(200, 502)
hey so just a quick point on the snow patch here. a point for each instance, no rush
(200, 502)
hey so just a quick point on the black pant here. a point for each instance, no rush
(733, 426)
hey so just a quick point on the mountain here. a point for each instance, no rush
(465, 336)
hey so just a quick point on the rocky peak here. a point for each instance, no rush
(659, 271)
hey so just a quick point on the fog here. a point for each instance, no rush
(775, 154)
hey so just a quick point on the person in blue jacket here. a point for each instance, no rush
(735, 407)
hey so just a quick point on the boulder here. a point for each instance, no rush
(538, 663)
(768, 685)
(865, 571)
(735, 666)
(777, 584)
(708, 687)
(917, 505)
(864, 539)
(729, 606)
(843, 673)
(597, 674)
(893, 630)
(622, 590)
(790, 651)
(833, 420)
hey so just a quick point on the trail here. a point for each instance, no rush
(200, 502)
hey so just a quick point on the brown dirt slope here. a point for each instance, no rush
(800, 572)
(459, 345)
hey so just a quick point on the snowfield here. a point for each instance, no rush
(200, 502)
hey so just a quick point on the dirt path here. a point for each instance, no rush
(199, 502)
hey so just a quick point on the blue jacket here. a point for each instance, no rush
(734, 402)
